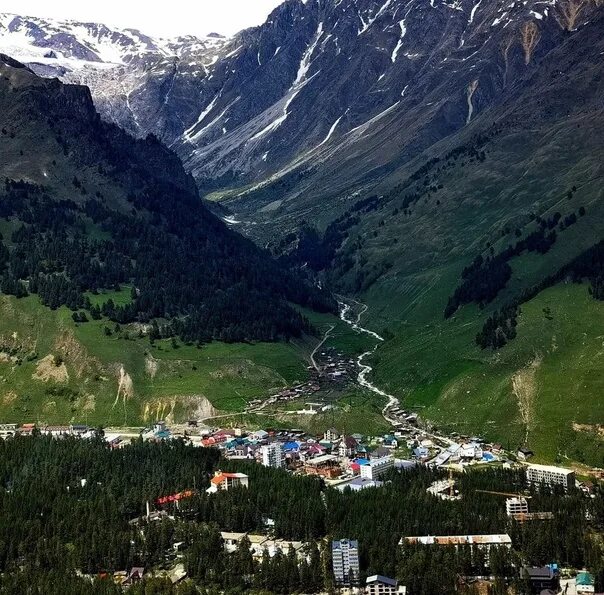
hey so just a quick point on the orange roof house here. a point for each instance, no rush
(226, 481)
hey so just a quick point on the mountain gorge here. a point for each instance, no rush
(382, 81)
(441, 161)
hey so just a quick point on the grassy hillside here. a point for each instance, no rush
(496, 184)
(55, 371)
(543, 389)
(86, 209)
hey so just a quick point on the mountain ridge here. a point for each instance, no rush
(243, 119)
(133, 192)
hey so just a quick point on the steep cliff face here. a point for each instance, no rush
(361, 82)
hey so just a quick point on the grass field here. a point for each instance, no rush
(341, 337)
(120, 298)
(543, 389)
(52, 370)
(354, 411)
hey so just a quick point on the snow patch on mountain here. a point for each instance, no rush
(400, 41)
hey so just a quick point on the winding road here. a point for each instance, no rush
(319, 345)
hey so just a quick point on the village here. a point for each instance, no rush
(343, 462)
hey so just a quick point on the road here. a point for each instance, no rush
(319, 345)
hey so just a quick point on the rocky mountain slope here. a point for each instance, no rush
(100, 208)
(351, 87)
(143, 84)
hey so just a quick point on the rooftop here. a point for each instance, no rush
(336, 545)
(500, 539)
(585, 579)
(551, 469)
(378, 578)
(321, 459)
(220, 477)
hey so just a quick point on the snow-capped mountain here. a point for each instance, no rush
(349, 87)
(125, 69)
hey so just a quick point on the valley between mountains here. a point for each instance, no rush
(440, 162)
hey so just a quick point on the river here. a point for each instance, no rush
(347, 316)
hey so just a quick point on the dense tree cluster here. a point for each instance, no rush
(486, 276)
(73, 507)
(500, 327)
(208, 282)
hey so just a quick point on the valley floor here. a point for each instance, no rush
(541, 391)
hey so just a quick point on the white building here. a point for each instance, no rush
(331, 435)
(548, 475)
(481, 542)
(345, 560)
(261, 543)
(377, 467)
(272, 455)
(383, 585)
(516, 506)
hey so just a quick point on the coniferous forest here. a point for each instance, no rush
(72, 512)
(176, 263)
(111, 210)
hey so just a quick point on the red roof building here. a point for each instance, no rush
(226, 481)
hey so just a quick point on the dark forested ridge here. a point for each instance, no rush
(72, 512)
(87, 208)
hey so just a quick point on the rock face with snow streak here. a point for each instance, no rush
(144, 84)
(352, 87)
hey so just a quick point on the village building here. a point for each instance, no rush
(375, 468)
(331, 435)
(585, 583)
(542, 578)
(383, 585)
(380, 452)
(7, 430)
(551, 476)
(57, 431)
(524, 453)
(482, 542)
(227, 481)
(261, 543)
(345, 561)
(347, 447)
(27, 429)
(359, 483)
(324, 465)
(272, 455)
(515, 506)
(134, 576)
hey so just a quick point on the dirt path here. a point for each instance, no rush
(319, 345)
